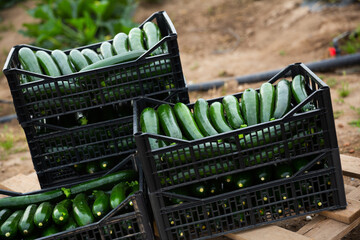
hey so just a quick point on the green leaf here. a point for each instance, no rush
(63, 9)
(43, 12)
(73, 23)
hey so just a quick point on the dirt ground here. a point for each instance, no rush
(220, 39)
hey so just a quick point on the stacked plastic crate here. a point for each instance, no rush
(226, 167)
(79, 126)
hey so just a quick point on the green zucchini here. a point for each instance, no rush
(81, 119)
(118, 194)
(23, 201)
(316, 200)
(104, 182)
(101, 204)
(43, 214)
(105, 164)
(179, 191)
(187, 122)
(81, 210)
(60, 214)
(92, 167)
(206, 170)
(122, 57)
(201, 151)
(48, 64)
(106, 50)
(121, 43)
(264, 195)
(250, 106)
(282, 98)
(168, 121)
(144, 71)
(214, 187)
(243, 180)
(4, 214)
(233, 113)
(90, 55)
(78, 59)
(134, 189)
(149, 123)
(228, 182)
(136, 39)
(26, 223)
(124, 144)
(217, 118)
(283, 171)
(152, 36)
(278, 210)
(63, 62)
(29, 62)
(299, 164)
(299, 92)
(283, 194)
(267, 99)
(263, 174)
(50, 230)
(71, 224)
(9, 228)
(199, 190)
(202, 117)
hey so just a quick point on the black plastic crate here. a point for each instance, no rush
(306, 192)
(297, 134)
(117, 224)
(55, 96)
(57, 152)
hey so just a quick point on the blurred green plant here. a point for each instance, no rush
(355, 123)
(352, 44)
(332, 82)
(72, 23)
(344, 91)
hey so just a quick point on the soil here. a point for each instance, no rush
(220, 39)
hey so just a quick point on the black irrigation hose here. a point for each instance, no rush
(7, 118)
(320, 66)
(6, 101)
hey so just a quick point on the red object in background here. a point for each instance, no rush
(332, 51)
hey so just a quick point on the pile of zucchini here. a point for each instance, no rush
(61, 147)
(44, 214)
(269, 104)
(179, 122)
(249, 178)
(123, 48)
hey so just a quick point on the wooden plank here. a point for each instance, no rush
(348, 215)
(352, 211)
(21, 183)
(349, 189)
(355, 194)
(322, 228)
(13, 183)
(269, 232)
(350, 166)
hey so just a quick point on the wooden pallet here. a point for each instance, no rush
(328, 225)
